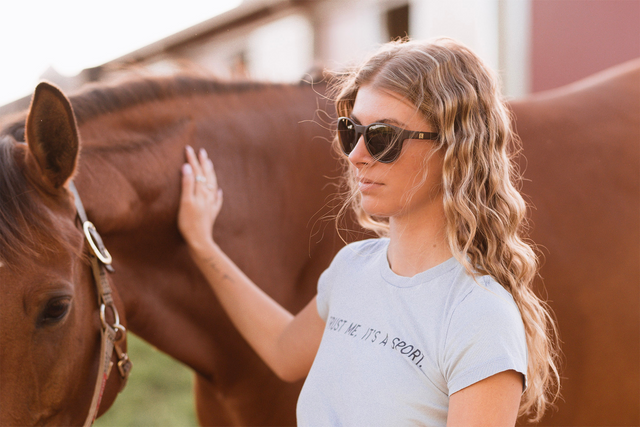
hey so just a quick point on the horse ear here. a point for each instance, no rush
(52, 135)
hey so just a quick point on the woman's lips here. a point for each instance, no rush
(368, 185)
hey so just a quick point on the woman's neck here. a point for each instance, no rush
(418, 242)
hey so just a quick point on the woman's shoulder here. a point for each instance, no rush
(484, 298)
(480, 297)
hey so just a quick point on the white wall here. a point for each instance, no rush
(472, 22)
(515, 47)
(497, 30)
(281, 50)
(347, 31)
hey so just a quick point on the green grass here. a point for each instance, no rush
(159, 391)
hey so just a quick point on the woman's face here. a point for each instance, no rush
(399, 188)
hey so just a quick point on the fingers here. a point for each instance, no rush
(202, 166)
(199, 179)
(209, 172)
(187, 182)
(212, 181)
(195, 165)
(201, 199)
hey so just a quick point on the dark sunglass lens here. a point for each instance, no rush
(382, 142)
(347, 135)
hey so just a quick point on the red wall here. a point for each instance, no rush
(572, 39)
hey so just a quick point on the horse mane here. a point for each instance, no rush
(98, 99)
(27, 228)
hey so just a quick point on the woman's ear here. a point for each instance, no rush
(52, 136)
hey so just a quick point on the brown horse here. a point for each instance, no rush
(133, 138)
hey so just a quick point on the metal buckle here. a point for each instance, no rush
(124, 364)
(89, 229)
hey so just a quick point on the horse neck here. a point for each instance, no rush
(273, 173)
(131, 158)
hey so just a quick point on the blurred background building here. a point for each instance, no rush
(534, 44)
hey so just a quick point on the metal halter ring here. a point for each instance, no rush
(116, 324)
(105, 257)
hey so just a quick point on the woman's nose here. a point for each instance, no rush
(360, 155)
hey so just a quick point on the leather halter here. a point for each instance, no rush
(111, 335)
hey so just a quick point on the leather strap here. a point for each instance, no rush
(111, 335)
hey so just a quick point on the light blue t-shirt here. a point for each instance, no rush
(395, 348)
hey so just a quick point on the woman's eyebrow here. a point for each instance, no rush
(391, 122)
(388, 121)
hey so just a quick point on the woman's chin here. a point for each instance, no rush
(376, 209)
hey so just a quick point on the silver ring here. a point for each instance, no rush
(200, 178)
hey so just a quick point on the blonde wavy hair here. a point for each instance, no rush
(486, 215)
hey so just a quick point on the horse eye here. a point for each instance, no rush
(56, 310)
(18, 134)
(16, 130)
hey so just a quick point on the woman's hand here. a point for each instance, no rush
(200, 201)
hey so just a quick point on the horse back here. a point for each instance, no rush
(581, 165)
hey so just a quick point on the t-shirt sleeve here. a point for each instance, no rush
(485, 336)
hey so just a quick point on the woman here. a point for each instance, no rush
(435, 322)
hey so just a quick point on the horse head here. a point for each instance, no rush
(49, 323)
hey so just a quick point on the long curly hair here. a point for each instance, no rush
(485, 213)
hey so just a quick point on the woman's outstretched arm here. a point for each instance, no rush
(286, 343)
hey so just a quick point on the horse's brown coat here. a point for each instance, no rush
(582, 150)
(581, 146)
